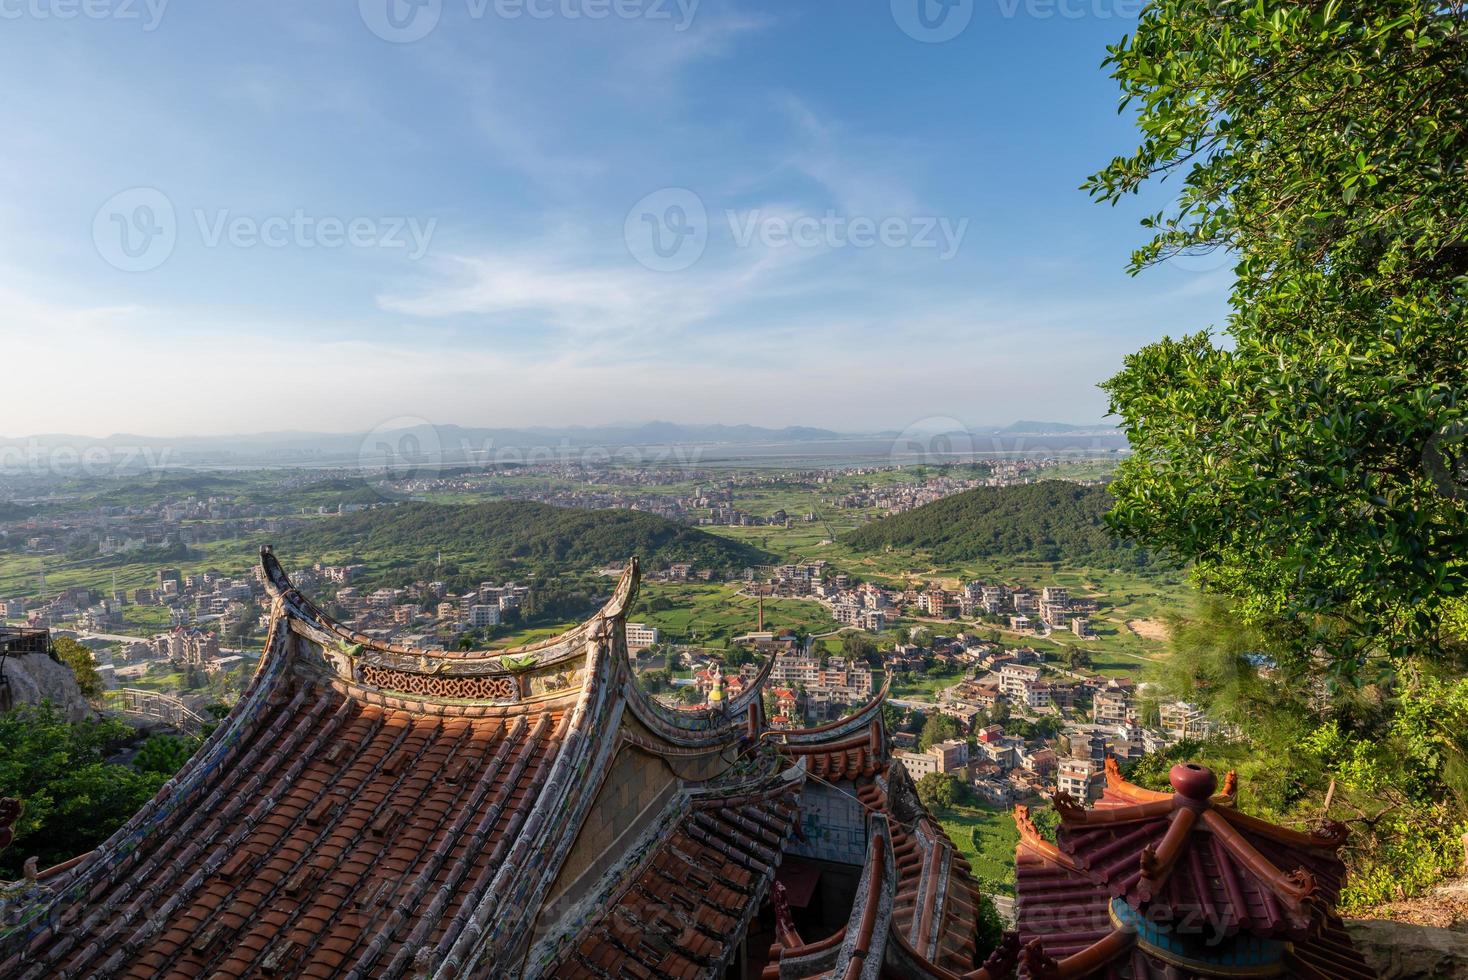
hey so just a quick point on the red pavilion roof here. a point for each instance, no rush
(1183, 880)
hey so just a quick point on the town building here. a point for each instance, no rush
(187, 646)
(1181, 720)
(1111, 706)
(481, 616)
(1014, 677)
(1081, 779)
(640, 636)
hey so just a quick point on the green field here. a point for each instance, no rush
(699, 612)
(986, 837)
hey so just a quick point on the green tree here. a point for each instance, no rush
(857, 647)
(165, 754)
(939, 791)
(80, 660)
(937, 728)
(1001, 713)
(1311, 463)
(73, 799)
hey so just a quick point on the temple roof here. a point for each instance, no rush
(364, 809)
(683, 908)
(369, 810)
(928, 899)
(1179, 884)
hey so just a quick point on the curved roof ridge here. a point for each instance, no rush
(1037, 965)
(863, 950)
(485, 934)
(280, 586)
(1296, 890)
(1130, 792)
(1329, 835)
(698, 727)
(842, 726)
(1030, 837)
(708, 728)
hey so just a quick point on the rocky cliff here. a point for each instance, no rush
(1403, 951)
(34, 678)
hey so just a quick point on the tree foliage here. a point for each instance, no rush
(1311, 461)
(937, 728)
(940, 791)
(165, 754)
(501, 536)
(82, 665)
(1051, 520)
(73, 799)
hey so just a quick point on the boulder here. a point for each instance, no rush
(1402, 951)
(34, 678)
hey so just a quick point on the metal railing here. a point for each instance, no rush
(156, 707)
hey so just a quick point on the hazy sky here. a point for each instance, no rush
(236, 217)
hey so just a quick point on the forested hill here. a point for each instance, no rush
(1049, 521)
(515, 534)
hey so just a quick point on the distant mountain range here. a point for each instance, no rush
(1051, 429)
(455, 443)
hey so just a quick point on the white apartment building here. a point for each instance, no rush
(1037, 694)
(1083, 779)
(795, 669)
(917, 764)
(640, 636)
(1014, 677)
(1110, 707)
(482, 616)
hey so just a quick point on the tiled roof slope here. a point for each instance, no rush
(335, 828)
(1178, 885)
(682, 910)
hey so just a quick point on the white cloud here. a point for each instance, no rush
(171, 372)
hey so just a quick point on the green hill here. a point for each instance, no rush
(515, 535)
(1049, 521)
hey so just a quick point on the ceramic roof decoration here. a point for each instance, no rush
(1179, 885)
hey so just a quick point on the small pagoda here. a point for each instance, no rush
(1179, 885)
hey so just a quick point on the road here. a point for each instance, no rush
(913, 705)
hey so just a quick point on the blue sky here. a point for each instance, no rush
(231, 217)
